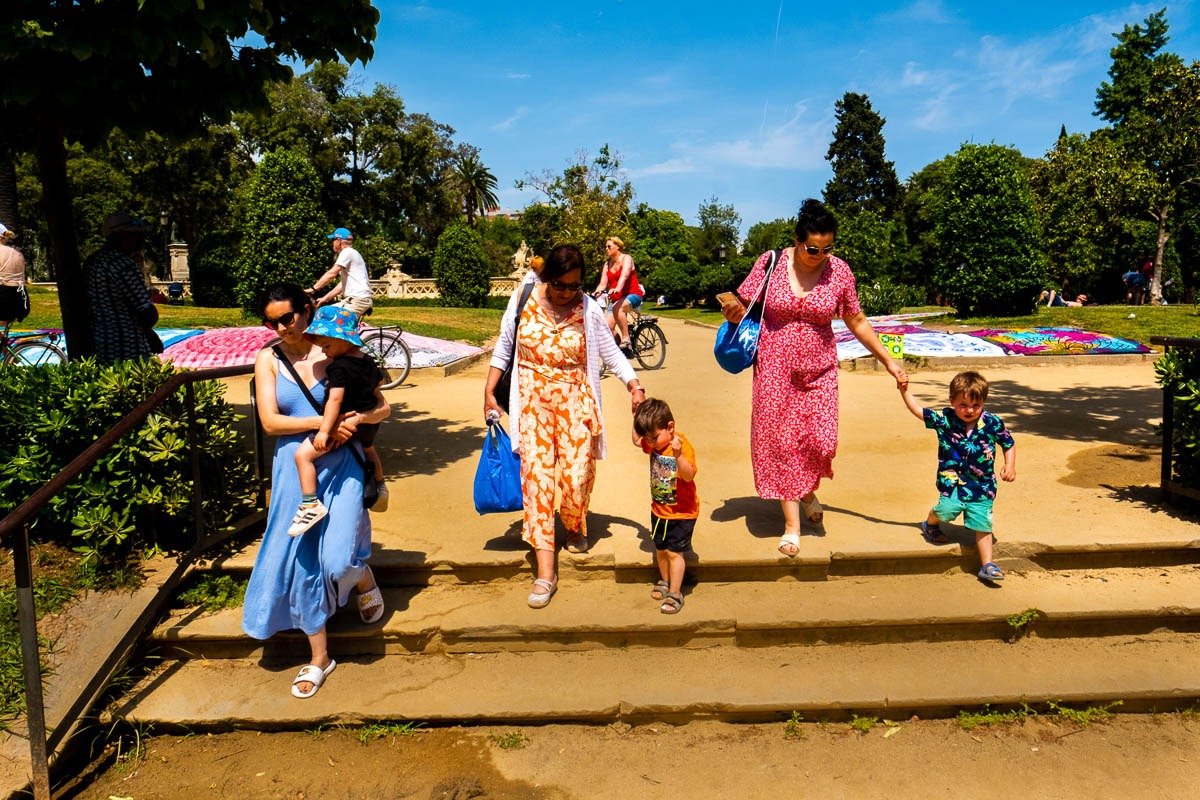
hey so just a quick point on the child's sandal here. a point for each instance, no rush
(672, 602)
(660, 590)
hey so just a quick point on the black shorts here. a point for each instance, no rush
(365, 433)
(12, 304)
(672, 534)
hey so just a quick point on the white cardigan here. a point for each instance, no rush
(601, 347)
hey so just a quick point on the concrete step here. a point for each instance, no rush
(638, 684)
(727, 553)
(593, 614)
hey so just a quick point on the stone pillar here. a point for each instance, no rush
(178, 252)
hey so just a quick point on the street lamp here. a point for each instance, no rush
(721, 254)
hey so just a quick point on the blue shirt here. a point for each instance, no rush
(967, 459)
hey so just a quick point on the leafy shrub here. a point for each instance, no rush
(988, 234)
(461, 268)
(212, 271)
(138, 495)
(1178, 371)
(883, 296)
(283, 230)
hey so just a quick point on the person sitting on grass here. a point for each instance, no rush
(674, 502)
(967, 440)
(353, 377)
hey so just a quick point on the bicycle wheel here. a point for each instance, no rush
(650, 346)
(391, 353)
(35, 354)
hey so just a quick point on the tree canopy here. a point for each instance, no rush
(863, 180)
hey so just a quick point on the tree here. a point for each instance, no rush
(501, 237)
(283, 229)
(921, 191)
(79, 69)
(718, 230)
(874, 245)
(593, 199)
(461, 268)
(1153, 102)
(475, 185)
(661, 249)
(987, 232)
(541, 226)
(863, 180)
(764, 236)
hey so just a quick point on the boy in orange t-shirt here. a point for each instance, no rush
(674, 502)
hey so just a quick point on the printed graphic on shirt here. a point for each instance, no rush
(663, 473)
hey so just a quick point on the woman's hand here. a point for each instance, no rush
(896, 370)
(636, 395)
(347, 426)
(490, 407)
(733, 312)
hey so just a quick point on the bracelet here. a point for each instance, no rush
(637, 388)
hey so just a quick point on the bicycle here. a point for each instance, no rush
(387, 347)
(31, 353)
(646, 339)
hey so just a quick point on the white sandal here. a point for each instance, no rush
(537, 600)
(311, 674)
(814, 512)
(789, 540)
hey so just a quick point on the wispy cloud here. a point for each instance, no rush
(672, 166)
(798, 143)
(1023, 70)
(1095, 33)
(923, 11)
(511, 121)
(914, 75)
(517, 76)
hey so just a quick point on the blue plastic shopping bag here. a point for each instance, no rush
(498, 476)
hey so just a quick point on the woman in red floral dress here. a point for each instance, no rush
(794, 418)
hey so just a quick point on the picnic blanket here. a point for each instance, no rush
(1058, 342)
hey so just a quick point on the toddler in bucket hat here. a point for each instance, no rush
(334, 322)
(352, 378)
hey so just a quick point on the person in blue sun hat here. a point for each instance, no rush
(352, 379)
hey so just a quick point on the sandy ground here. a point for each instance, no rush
(1131, 756)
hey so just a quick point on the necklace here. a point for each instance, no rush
(294, 356)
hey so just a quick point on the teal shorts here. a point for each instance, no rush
(977, 514)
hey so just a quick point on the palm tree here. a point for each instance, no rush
(476, 185)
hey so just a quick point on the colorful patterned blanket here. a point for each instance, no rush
(1059, 342)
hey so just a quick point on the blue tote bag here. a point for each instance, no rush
(737, 345)
(498, 476)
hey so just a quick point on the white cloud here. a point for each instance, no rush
(672, 166)
(517, 76)
(1095, 33)
(1023, 70)
(510, 122)
(797, 143)
(930, 12)
(914, 75)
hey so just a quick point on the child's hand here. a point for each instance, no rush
(321, 442)
(1008, 474)
(676, 446)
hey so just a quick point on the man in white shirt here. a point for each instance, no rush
(350, 270)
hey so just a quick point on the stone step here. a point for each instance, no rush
(639, 684)
(730, 554)
(594, 615)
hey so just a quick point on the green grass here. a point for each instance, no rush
(478, 325)
(212, 592)
(970, 720)
(794, 727)
(863, 725)
(514, 740)
(1087, 715)
(1022, 622)
(386, 730)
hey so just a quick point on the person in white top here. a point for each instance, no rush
(14, 302)
(350, 271)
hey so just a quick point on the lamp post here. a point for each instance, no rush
(721, 254)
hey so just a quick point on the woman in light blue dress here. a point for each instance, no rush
(300, 582)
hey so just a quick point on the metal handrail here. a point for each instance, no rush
(14, 533)
(1169, 488)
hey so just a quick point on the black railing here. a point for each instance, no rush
(1172, 490)
(14, 533)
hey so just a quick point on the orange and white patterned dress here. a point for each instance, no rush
(559, 420)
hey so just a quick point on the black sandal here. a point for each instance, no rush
(672, 602)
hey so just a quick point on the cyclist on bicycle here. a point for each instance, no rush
(619, 278)
(350, 270)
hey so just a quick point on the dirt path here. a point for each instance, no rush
(1129, 756)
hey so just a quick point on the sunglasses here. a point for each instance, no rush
(817, 251)
(559, 286)
(285, 320)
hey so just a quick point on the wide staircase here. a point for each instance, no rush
(757, 639)
(1101, 603)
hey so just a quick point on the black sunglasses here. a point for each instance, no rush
(817, 251)
(284, 320)
(564, 287)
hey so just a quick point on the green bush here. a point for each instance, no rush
(212, 270)
(283, 227)
(138, 495)
(882, 296)
(988, 235)
(1178, 371)
(461, 268)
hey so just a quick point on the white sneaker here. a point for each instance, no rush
(381, 502)
(306, 517)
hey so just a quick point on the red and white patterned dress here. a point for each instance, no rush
(794, 418)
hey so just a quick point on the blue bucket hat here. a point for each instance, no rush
(340, 233)
(336, 323)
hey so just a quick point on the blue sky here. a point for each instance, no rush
(734, 100)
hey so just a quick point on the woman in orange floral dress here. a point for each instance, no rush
(556, 422)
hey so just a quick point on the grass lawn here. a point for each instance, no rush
(1147, 321)
(472, 325)
(478, 325)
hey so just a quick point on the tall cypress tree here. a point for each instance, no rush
(863, 180)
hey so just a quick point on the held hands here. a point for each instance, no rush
(896, 370)
(346, 427)
(321, 441)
